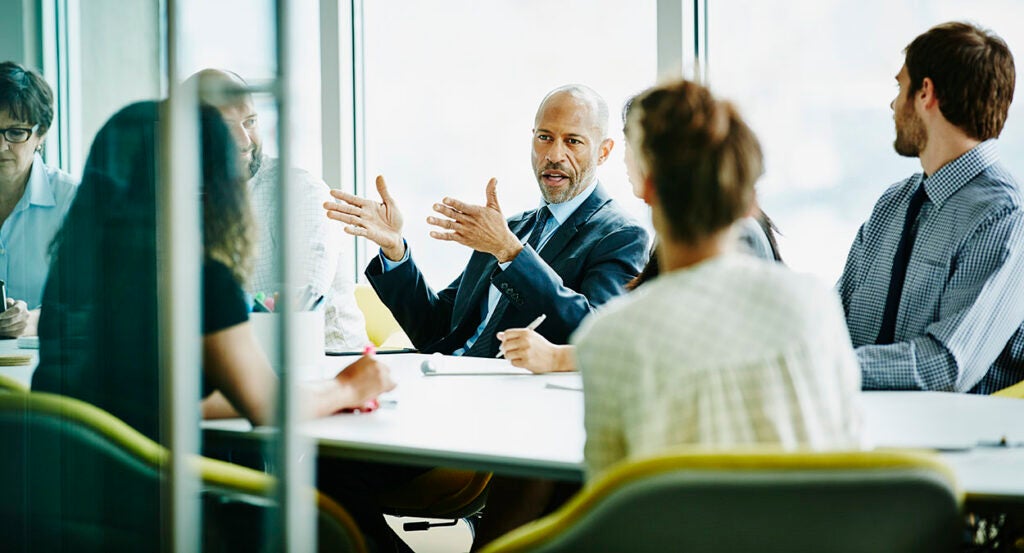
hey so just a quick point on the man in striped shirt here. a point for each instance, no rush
(933, 287)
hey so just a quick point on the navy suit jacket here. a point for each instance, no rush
(586, 262)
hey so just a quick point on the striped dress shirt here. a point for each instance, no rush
(959, 324)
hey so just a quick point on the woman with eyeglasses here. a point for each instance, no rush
(34, 197)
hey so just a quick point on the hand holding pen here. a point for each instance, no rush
(532, 326)
(366, 379)
(527, 349)
(14, 315)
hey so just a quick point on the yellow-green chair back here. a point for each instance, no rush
(8, 384)
(76, 478)
(381, 326)
(692, 501)
(1017, 391)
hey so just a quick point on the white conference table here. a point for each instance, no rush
(532, 425)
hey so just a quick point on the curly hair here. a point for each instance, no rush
(227, 218)
(701, 157)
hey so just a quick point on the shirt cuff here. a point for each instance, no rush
(388, 264)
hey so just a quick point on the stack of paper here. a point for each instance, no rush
(15, 360)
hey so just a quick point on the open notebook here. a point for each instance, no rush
(446, 365)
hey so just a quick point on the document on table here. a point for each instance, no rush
(28, 342)
(446, 365)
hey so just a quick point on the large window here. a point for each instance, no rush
(815, 81)
(452, 89)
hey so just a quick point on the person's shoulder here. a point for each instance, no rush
(605, 323)
(611, 218)
(894, 191)
(614, 211)
(271, 168)
(794, 297)
(995, 187)
(64, 186)
(214, 269)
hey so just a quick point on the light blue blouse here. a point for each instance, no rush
(26, 234)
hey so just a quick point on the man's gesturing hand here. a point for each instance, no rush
(482, 228)
(380, 222)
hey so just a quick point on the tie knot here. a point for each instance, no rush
(543, 214)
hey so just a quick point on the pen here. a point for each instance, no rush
(532, 326)
(316, 304)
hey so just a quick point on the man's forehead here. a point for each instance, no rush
(237, 111)
(567, 113)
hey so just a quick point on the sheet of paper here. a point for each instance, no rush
(28, 342)
(446, 365)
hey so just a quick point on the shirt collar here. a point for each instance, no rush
(562, 211)
(38, 189)
(953, 175)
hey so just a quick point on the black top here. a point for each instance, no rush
(223, 300)
(112, 361)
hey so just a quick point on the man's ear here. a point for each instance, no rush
(926, 94)
(604, 150)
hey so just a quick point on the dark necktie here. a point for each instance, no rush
(899, 268)
(486, 344)
(540, 221)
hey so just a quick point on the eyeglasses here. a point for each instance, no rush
(17, 135)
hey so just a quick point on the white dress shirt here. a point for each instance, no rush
(26, 234)
(733, 351)
(322, 266)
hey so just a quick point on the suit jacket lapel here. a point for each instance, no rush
(567, 230)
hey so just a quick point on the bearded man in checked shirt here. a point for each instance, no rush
(322, 271)
(933, 287)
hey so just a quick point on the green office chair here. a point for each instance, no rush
(76, 478)
(691, 501)
(8, 384)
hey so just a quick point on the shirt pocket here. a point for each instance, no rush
(925, 283)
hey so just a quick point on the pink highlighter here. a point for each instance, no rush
(373, 404)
